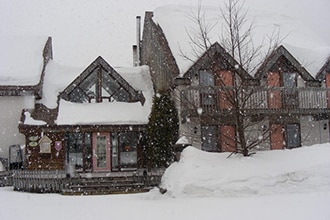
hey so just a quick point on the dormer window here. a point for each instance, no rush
(98, 87)
(99, 82)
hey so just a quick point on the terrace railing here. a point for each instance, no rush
(218, 100)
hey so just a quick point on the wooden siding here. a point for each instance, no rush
(56, 159)
(44, 161)
(156, 53)
(41, 112)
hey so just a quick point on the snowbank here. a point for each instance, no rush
(259, 187)
(200, 174)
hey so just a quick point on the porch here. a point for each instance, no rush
(219, 101)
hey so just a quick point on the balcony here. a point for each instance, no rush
(219, 101)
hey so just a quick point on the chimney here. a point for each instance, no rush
(138, 40)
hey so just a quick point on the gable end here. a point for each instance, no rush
(97, 79)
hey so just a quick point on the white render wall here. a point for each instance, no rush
(255, 132)
(11, 108)
(313, 132)
(191, 127)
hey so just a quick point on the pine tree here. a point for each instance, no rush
(162, 131)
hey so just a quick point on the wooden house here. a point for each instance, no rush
(285, 98)
(22, 69)
(96, 122)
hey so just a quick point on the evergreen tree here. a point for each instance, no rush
(162, 131)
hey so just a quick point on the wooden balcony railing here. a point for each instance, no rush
(218, 100)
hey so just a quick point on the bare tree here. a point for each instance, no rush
(241, 99)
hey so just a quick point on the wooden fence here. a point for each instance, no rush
(39, 181)
(57, 181)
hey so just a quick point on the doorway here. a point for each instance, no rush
(101, 151)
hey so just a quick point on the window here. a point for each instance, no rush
(79, 150)
(99, 88)
(124, 150)
(128, 149)
(206, 78)
(293, 136)
(208, 94)
(209, 138)
(289, 80)
(290, 95)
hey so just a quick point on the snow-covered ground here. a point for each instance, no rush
(288, 184)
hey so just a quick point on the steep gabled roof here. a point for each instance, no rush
(273, 59)
(22, 64)
(102, 67)
(324, 70)
(305, 44)
(207, 59)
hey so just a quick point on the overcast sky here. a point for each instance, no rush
(84, 29)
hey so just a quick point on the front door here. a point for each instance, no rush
(101, 151)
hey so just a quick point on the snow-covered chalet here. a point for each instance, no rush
(289, 106)
(93, 119)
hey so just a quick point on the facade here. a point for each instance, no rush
(285, 106)
(87, 122)
(91, 128)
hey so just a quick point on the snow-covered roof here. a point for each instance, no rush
(58, 77)
(310, 48)
(21, 59)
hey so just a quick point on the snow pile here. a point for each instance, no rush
(30, 121)
(203, 174)
(21, 60)
(203, 186)
(182, 140)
